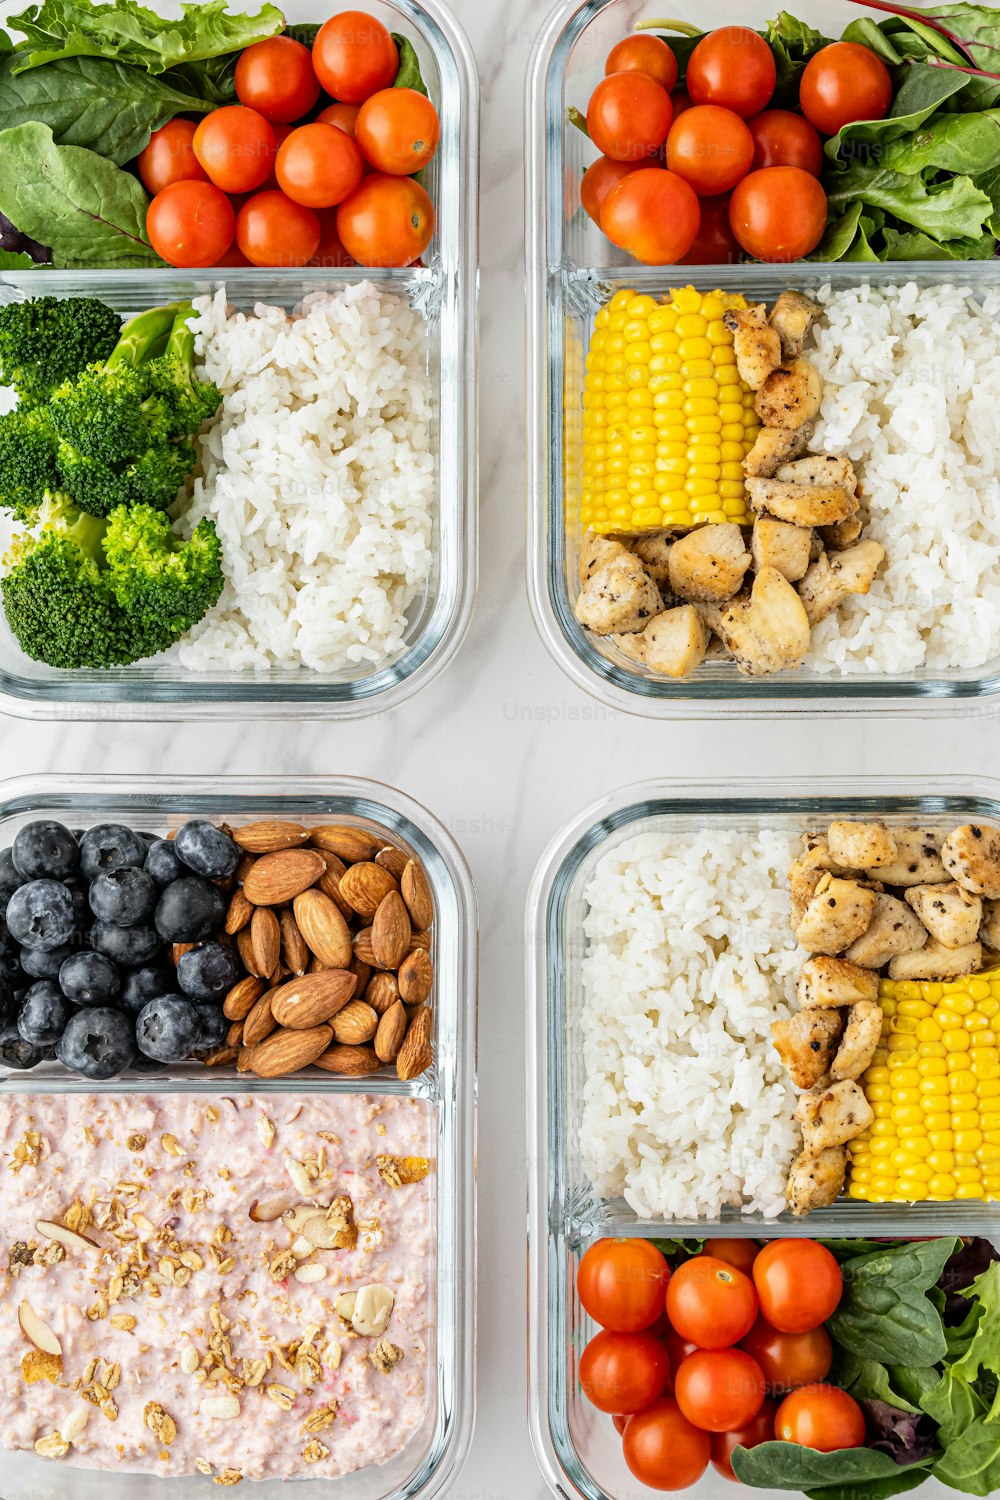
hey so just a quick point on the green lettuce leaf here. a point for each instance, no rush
(954, 1405)
(920, 95)
(966, 145)
(16, 260)
(885, 1313)
(972, 1462)
(945, 211)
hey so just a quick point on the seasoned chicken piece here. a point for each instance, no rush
(838, 913)
(862, 1035)
(893, 929)
(773, 447)
(815, 1179)
(830, 579)
(862, 846)
(807, 1043)
(826, 983)
(820, 470)
(791, 318)
(935, 961)
(834, 1115)
(653, 551)
(989, 932)
(671, 645)
(918, 860)
(765, 630)
(801, 504)
(708, 564)
(618, 597)
(790, 396)
(595, 550)
(776, 544)
(757, 345)
(819, 855)
(971, 855)
(951, 915)
(802, 882)
(842, 534)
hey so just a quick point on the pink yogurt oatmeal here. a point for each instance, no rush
(192, 1336)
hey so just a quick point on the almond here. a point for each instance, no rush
(329, 884)
(324, 929)
(265, 940)
(242, 998)
(364, 885)
(294, 952)
(362, 970)
(356, 1023)
(314, 966)
(394, 860)
(244, 947)
(382, 992)
(221, 1058)
(391, 931)
(421, 940)
(244, 866)
(348, 843)
(415, 977)
(178, 951)
(417, 895)
(36, 1330)
(244, 1060)
(288, 1051)
(234, 1036)
(351, 1062)
(239, 913)
(260, 1022)
(391, 1031)
(268, 837)
(363, 950)
(415, 1053)
(278, 878)
(312, 999)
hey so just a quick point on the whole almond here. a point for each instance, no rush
(356, 1023)
(234, 1036)
(363, 950)
(267, 837)
(391, 1031)
(265, 940)
(260, 1022)
(364, 885)
(244, 1060)
(352, 1062)
(415, 977)
(287, 1051)
(329, 884)
(362, 970)
(294, 952)
(414, 1055)
(244, 947)
(242, 998)
(417, 895)
(239, 913)
(312, 999)
(349, 844)
(314, 966)
(391, 931)
(278, 878)
(221, 1058)
(323, 928)
(421, 940)
(392, 859)
(243, 868)
(178, 951)
(382, 992)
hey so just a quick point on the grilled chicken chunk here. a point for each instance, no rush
(820, 470)
(765, 630)
(892, 930)
(791, 395)
(773, 447)
(830, 579)
(618, 597)
(861, 846)
(837, 915)
(918, 859)
(826, 983)
(595, 550)
(834, 1115)
(935, 961)
(653, 551)
(971, 855)
(801, 504)
(671, 645)
(807, 1043)
(802, 882)
(819, 855)
(777, 544)
(862, 1035)
(791, 318)
(709, 564)
(989, 932)
(815, 1179)
(951, 915)
(842, 534)
(757, 344)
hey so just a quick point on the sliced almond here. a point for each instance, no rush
(324, 928)
(278, 878)
(223, 1408)
(69, 1238)
(239, 913)
(320, 1233)
(269, 837)
(36, 1331)
(372, 1310)
(312, 1271)
(74, 1424)
(415, 977)
(415, 1055)
(267, 1210)
(391, 1030)
(265, 938)
(417, 895)
(260, 1023)
(364, 886)
(242, 998)
(296, 1218)
(302, 1248)
(350, 1062)
(382, 992)
(349, 843)
(313, 998)
(355, 1024)
(394, 860)
(391, 931)
(294, 952)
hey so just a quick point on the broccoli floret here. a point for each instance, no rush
(188, 400)
(49, 340)
(27, 461)
(160, 579)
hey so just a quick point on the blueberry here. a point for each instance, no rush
(15, 1052)
(44, 1014)
(168, 1028)
(10, 879)
(143, 1064)
(189, 910)
(143, 985)
(81, 906)
(40, 914)
(45, 848)
(162, 862)
(98, 1042)
(206, 850)
(131, 947)
(123, 896)
(45, 963)
(208, 972)
(89, 979)
(9, 1004)
(10, 956)
(214, 1028)
(110, 846)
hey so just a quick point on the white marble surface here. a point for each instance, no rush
(505, 751)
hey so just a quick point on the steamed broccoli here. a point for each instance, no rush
(28, 446)
(49, 340)
(158, 578)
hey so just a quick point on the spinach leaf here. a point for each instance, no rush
(789, 1466)
(989, 183)
(838, 239)
(674, 1248)
(847, 1249)
(884, 1313)
(90, 211)
(954, 1406)
(409, 76)
(869, 33)
(212, 78)
(944, 211)
(972, 1462)
(793, 43)
(973, 28)
(16, 260)
(862, 249)
(681, 46)
(305, 32)
(920, 95)
(867, 1379)
(129, 32)
(961, 144)
(911, 1383)
(906, 1477)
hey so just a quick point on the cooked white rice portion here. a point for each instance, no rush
(687, 1108)
(913, 393)
(319, 477)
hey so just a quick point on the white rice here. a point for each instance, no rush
(914, 391)
(687, 1107)
(319, 476)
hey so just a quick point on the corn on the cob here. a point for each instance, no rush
(667, 421)
(934, 1085)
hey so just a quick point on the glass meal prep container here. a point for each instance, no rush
(572, 270)
(576, 1446)
(444, 291)
(428, 1463)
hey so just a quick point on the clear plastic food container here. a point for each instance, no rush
(444, 290)
(576, 1446)
(430, 1460)
(571, 271)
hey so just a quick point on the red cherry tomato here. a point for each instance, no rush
(718, 1389)
(789, 1359)
(798, 1282)
(652, 214)
(275, 77)
(397, 131)
(735, 1252)
(822, 1417)
(681, 102)
(663, 1449)
(344, 116)
(170, 157)
(271, 230)
(677, 1348)
(190, 224)
(620, 1423)
(621, 1373)
(711, 148)
(711, 1303)
(318, 165)
(781, 139)
(233, 257)
(778, 214)
(600, 177)
(843, 83)
(387, 221)
(235, 145)
(329, 251)
(622, 1283)
(644, 54)
(715, 245)
(354, 56)
(734, 67)
(628, 116)
(760, 1430)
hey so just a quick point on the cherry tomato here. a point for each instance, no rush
(663, 1449)
(397, 130)
(798, 1282)
(644, 54)
(677, 1348)
(600, 177)
(190, 224)
(318, 165)
(711, 148)
(822, 1417)
(235, 145)
(622, 1283)
(233, 257)
(717, 1389)
(354, 56)
(711, 1303)
(781, 139)
(778, 213)
(281, 134)
(715, 245)
(681, 102)
(388, 221)
(620, 1423)
(344, 116)
(842, 83)
(789, 1359)
(760, 1430)
(621, 1373)
(652, 214)
(734, 67)
(738, 1253)
(271, 230)
(628, 116)
(329, 251)
(170, 157)
(275, 77)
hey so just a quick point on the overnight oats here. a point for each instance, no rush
(241, 1287)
